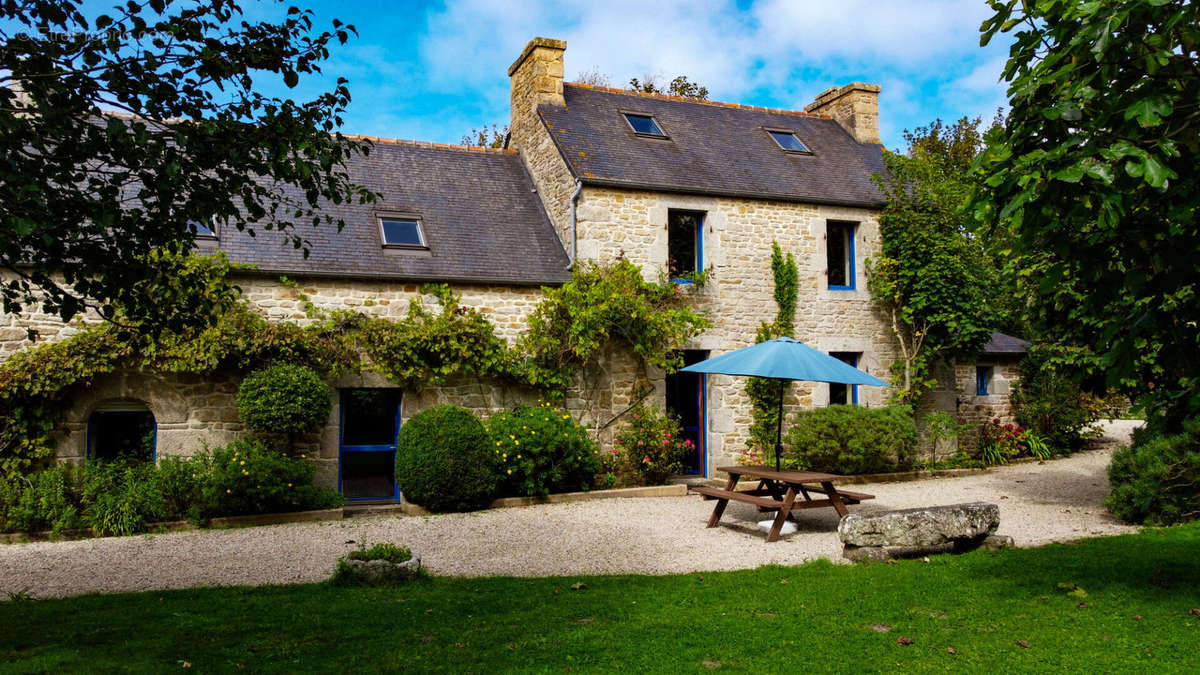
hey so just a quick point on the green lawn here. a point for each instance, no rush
(1000, 611)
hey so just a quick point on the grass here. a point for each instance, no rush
(1002, 611)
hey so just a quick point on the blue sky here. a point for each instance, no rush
(434, 70)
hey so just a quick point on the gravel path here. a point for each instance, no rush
(1057, 501)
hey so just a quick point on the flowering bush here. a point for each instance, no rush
(650, 450)
(246, 478)
(999, 443)
(539, 450)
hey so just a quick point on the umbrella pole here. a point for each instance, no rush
(779, 423)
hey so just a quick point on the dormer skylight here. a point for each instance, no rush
(401, 232)
(787, 140)
(644, 125)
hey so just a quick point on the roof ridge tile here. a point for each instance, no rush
(431, 145)
(684, 99)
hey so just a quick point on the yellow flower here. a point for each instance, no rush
(241, 462)
(228, 491)
(510, 471)
(303, 456)
(498, 442)
(517, 442)
(518, 457)
(289, 485)
(533, 433)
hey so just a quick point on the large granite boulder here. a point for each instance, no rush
(909, 533)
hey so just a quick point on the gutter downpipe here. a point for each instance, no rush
(574, 235)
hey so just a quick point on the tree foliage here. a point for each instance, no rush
(679, 86)
(1093, 174)
(932, 277)
(122, 133)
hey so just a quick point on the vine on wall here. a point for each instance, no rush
(574, 324)
(764, 393)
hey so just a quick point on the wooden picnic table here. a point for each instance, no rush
(777, 491)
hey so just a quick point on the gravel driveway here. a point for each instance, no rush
(1056, 501)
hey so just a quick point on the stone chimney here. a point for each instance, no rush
(536, 77)
(854, 106)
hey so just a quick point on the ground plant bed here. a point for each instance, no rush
(1129, 603)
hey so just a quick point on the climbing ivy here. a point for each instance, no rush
(575, 324)
(602, 306)
(764, 393)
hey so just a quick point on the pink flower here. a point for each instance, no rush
(666, 442)
(635, 417)
(646, 459)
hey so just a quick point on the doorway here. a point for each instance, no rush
(369, 422)
(686, 400)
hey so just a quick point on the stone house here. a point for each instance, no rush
(674, 185)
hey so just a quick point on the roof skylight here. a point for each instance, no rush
(787, 140)
(644, 124)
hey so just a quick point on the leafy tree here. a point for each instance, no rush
(680, 86)
(1093, 174)
(129, 131)
(932, 277)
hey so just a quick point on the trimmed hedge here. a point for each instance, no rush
(850, 439)
(1157, 479)
(443, 460)
(284, 399)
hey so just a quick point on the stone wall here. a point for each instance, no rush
(974, 409)
(737, 236)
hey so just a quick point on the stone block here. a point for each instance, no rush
(921, 527)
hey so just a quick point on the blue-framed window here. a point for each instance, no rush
(685, 244)
(839, 249)
(983, 380)
(844, 394)
(122, 432)
(368, 422)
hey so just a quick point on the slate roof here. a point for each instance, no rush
(1002, 344)
(713, 148)
(481, 218)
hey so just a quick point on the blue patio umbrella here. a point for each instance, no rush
(787, 360)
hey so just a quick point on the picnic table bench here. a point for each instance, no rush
(777, 491)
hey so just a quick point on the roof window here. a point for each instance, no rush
(644, 124)
(203, 230)
(401, 232)
(787, 140)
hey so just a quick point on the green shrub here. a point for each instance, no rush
(443, 461)
(284, 399)
(1157, 479)
(46, 500)
(539, 450)
(650, 449)
(181, 481)
(247, 478)
(121, 497)
(381, 551)
(850, 439)
(1054, 406)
